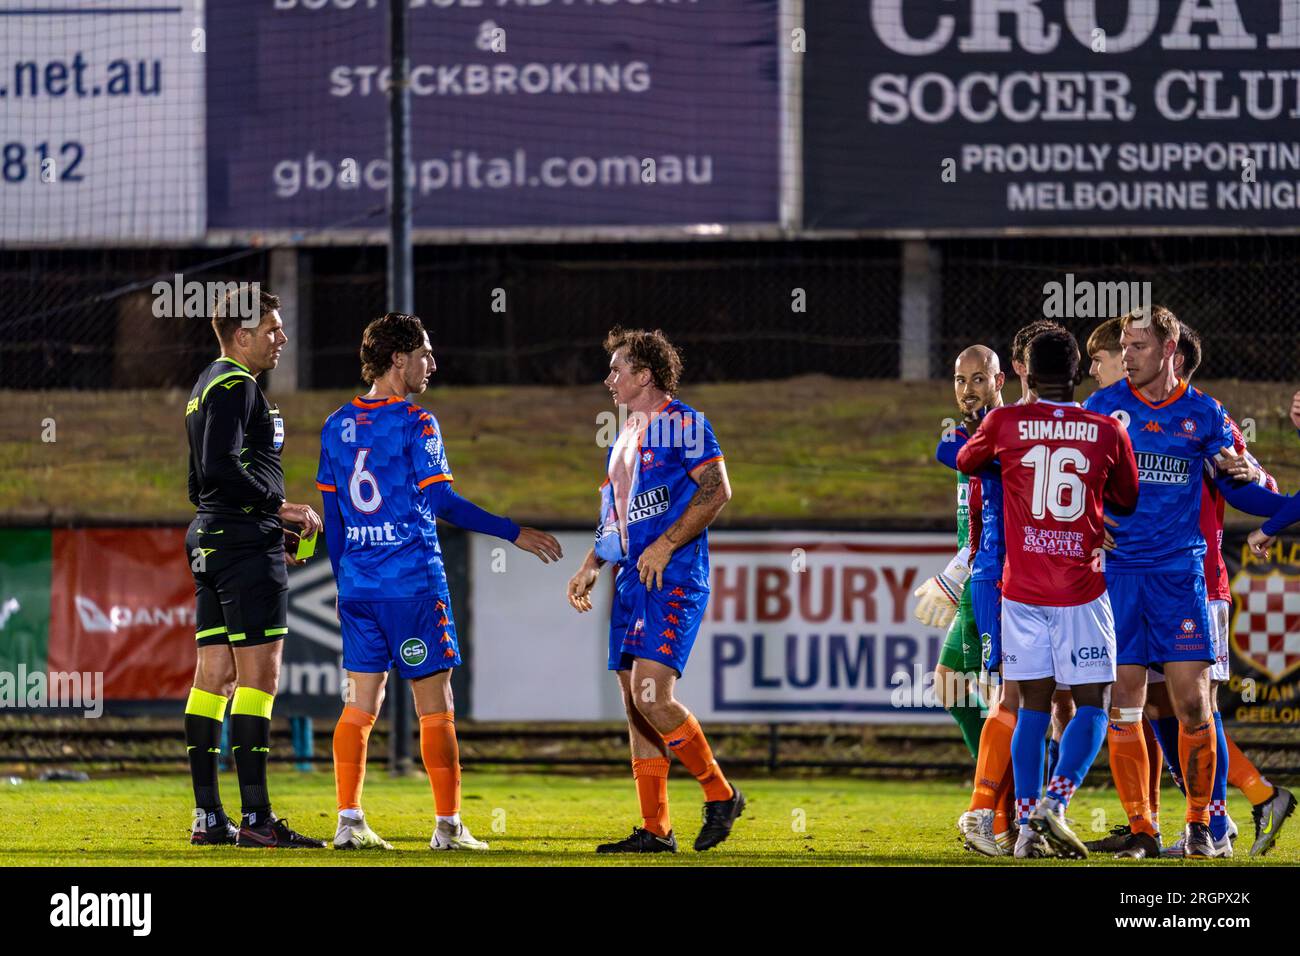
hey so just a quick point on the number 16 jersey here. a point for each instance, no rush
(377, 455)
(1058, 462)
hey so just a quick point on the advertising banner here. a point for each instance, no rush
(101, 121)
(123, 605)
(24, 598)
(1265, 685)
(801, 626)
(934, 114)
(522, 114)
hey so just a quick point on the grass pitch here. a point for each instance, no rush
(546, 820)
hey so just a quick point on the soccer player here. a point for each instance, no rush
(1062, 702)
(236, 550)
(1107, 367)
(986, 825)
(666, 482)
(1270, 804)
(384, 478)
(1155, 573)
(944, 600)
(1058, 461)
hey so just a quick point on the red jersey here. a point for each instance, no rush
(1212, 506)
(1059, 461)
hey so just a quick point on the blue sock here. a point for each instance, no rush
(1219, 795)
(1027, 758)
(1166, 729)
(1053, 756)
(1080, 744)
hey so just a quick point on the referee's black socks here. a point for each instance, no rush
(250, 738)
(204, 713)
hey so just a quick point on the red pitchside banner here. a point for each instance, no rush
(122, 602)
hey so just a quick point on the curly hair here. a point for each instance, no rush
(648, 350)
(1020, 344)
(390, 333)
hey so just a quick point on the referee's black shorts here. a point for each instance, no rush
(241, 585)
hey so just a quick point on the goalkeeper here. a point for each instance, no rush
(944, 599)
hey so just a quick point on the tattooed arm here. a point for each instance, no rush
(710, 497)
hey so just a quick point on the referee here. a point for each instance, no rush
(236, 549)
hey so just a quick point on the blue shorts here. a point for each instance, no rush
(1160, 617)
(986, 602)
(419, 636)
(654, 625)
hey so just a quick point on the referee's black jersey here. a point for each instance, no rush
(235, 438)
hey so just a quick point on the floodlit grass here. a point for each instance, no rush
(812, 448)
(544, 820)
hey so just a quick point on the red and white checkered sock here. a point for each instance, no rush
(1024, 807)
(1062, 789)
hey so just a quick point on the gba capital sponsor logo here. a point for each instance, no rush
(1091, 656)
(119, 617)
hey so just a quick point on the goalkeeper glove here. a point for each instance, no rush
(940, 595)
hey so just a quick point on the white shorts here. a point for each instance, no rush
(1075, 644)
(1220, 611)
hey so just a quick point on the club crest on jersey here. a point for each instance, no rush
(647, 458)
(647, 504)
(1266, 629)
(1188, 426)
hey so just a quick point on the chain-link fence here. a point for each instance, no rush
(538, 313)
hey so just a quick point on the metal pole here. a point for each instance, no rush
(401, 288)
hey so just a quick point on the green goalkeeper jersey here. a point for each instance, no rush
(963, 511)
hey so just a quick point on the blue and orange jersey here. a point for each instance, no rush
(1174, 442)
(376, 455)
(655, 487)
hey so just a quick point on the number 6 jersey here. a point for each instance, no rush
(1058, 462)
(376, 455)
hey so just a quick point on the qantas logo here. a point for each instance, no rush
(119, 617)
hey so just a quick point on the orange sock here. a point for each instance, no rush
(1156, 765)
(351, 736)
(993, 762)
(1245, 776)
(1128, 767)
(1196, 752)
(1004, 810)
(441, 756)
(651, 776)
(692, 749)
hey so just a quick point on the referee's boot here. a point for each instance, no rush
(212, 828)
(274, 832)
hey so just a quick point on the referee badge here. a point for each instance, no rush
(277, 440)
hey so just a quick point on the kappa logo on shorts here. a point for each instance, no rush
(413, 651)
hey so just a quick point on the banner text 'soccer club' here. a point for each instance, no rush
(940, 114)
